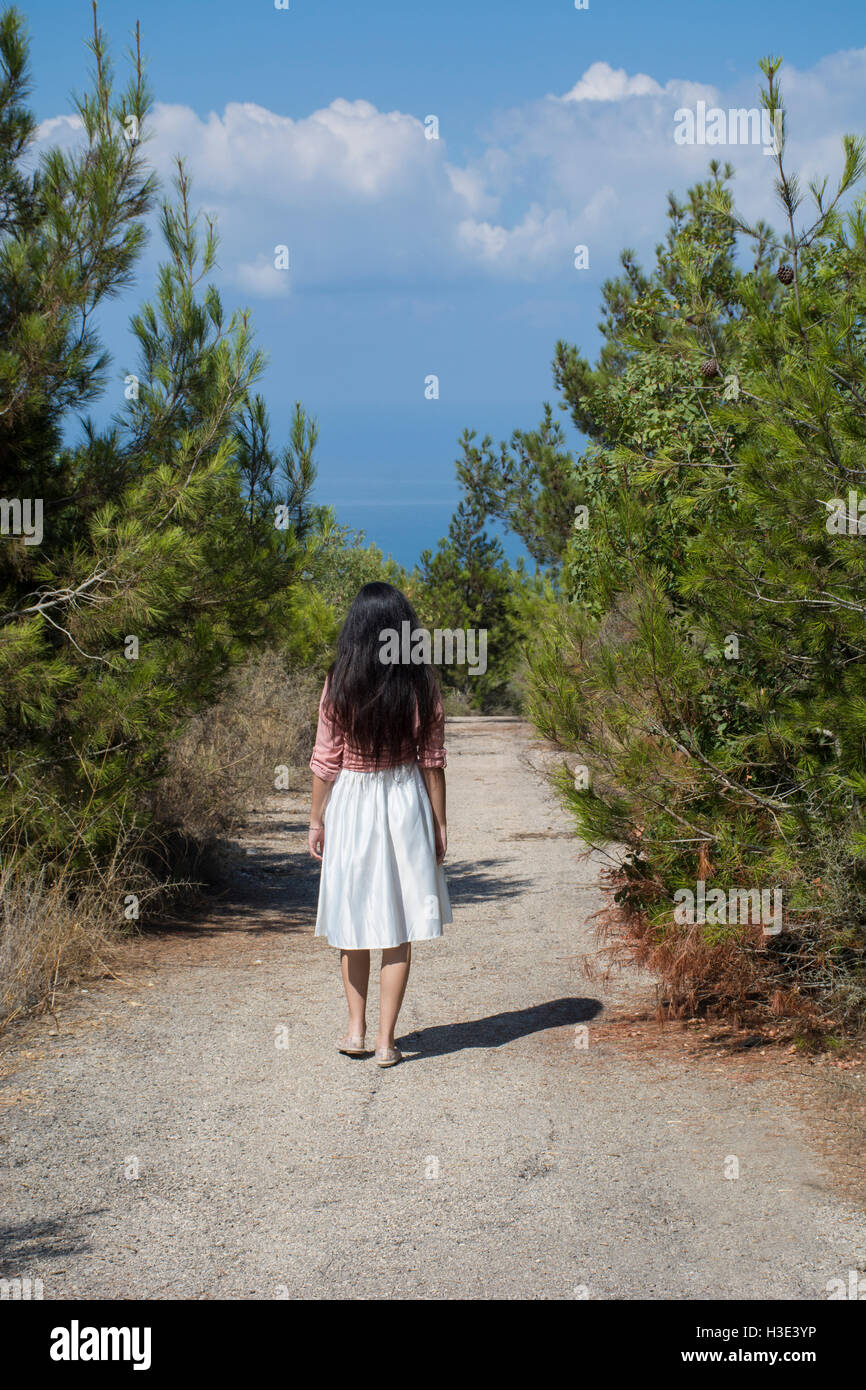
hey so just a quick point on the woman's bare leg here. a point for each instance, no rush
(355, 969)
(392, 986)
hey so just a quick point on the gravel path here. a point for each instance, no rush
(500, 1160)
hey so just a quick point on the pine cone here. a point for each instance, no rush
(785, 274)
(710, 367)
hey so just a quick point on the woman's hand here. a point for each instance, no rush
(441, 841)
(434, 781)
(316, 841)
(321, 794)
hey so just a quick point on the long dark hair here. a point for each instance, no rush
(374, 703)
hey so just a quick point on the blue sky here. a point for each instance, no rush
(410, 256)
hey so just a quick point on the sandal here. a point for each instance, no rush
(388, 1056)
(352, 1047)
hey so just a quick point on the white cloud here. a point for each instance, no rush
(541, 239)
(59, 130)
(598, 162)
(468, 184)
(262, 279)
(361, 197)
(601, 82)
(349, 146)
(600, 206)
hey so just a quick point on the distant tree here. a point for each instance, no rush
(467, 584)
(531, 484)
(341, 561)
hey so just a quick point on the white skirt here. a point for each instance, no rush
(380, 884)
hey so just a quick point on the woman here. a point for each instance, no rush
(378, 814)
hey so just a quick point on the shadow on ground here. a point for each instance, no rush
(477, 881)
(498, 1029)
(270, 892)
(42, 1239)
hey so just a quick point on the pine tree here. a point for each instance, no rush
(467, 584)
(709, 671)
(160, 561)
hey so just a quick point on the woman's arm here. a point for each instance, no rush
(325, 766)
(431, 760)
(434, 781)
(321, 792)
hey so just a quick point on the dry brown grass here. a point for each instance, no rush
(740, 979)
(57, 927)
(229, 755)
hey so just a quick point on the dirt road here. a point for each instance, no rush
(191, 1132)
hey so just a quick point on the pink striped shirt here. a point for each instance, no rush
(331, 753)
